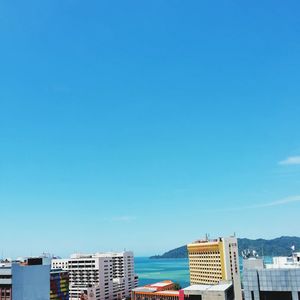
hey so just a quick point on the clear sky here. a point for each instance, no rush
(146, 124)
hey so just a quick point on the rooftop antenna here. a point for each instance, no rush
(293, 249)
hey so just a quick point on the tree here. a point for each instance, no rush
(177, 286)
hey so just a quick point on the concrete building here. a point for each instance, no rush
(221, 291)
(5, 280)
(61, 263)
(279, 280)
(25, 280)
(213, 261)
(164, 290)
(100, 276)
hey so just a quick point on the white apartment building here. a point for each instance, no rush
(61, 263)
(285, 262)
(99, 276)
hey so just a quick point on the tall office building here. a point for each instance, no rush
(100, 276)
(213, 261)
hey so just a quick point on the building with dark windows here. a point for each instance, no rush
(5, 280)
(99, 276)
(59, 285)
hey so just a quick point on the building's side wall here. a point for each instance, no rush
(279, 279)
(231, 264)
(270, 280)
(31, 282)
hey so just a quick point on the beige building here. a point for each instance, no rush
(213, 261)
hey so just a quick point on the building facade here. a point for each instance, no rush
(5, 281)
(60, 263)
(279, 280)
(59, 285)
(213, 261)
(100, 276)
(25, 280)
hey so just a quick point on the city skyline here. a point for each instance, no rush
(146, 125)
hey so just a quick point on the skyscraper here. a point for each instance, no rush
(213, 261)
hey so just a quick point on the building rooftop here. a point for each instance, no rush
(144, 289)
(161, 283)
(208, 241)
(158, 287)
(203, 287)
(279, 262)
(99, 254)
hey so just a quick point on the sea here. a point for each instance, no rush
(177, 270)
(154, 270)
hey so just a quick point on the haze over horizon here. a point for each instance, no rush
(144, 125)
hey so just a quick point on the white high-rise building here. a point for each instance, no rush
(99, 276)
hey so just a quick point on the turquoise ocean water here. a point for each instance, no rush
(177, 270)
(153, 270)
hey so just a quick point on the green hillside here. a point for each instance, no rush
(276, 247)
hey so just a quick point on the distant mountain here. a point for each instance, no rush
(180, 252)
(276, 247)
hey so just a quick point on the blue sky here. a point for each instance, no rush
(146, 124)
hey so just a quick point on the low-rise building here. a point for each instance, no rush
(164, 290)
(221, 291)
